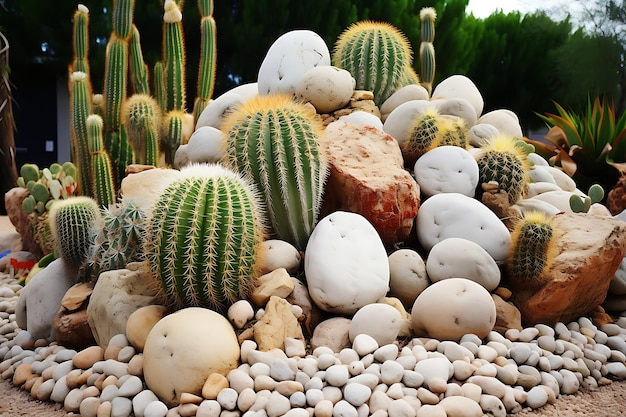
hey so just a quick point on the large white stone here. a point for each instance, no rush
(504, 120)
(447, 169)
(363, 118)
(289, 57)
(346, 263)
(326, 87)
(460, 86)
(184, 348)
(206, 145)
(449, 309)
(407, 275)
(456, 215)
(481, 134)
(461, 258)
(381, 321)
(402, 95)
(217, 110)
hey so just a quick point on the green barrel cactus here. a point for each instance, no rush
(377, 55)
(274, 140)
(203, 236)
(71, 221)
(532, 247)
(503, 161)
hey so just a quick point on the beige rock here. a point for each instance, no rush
(276, 254)
(589, 251)
(311, 314)
(72, 329)
(213, 385)
(367, 177)
(140, 322)
(146, 186)
(276, 283)
(115, 297)
(76, 296)
(276, 324)
(507, 315)
(87, 357)
(333, 333)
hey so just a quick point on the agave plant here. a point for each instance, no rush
(589, 147)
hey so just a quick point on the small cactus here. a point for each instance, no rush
(203, 237)
(142, 116)
(532, 247)
(582, 205)
(102, 181)
(428, 15)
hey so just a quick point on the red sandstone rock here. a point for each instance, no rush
(367, 177)
(590, 249)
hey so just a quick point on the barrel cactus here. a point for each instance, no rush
(203, 238)
(532, 247)
(377, 55)
(274, 140)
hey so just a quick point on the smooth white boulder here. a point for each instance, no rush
(326, 87)
(206, 145)
(407, 275)
(276, 253)
(402, 95)
(447, 169)
(289, 57)
(533, 204)
(504, 120)
(459, 107)
(539, 173)
(363, 118)
(559, 199)
(217, 110)
(398, 122)
(461, 258)
(346, 263)
(460, 86)
(452, 308)
(184, 348)
(456, 215)
(564, 181)
(434, 367)
(480, 134)
(381, 321)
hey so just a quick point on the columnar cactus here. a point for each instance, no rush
(71, 221)
(81, 40)
(80, 106)
(208, 52)
(203, 237)
(174, 132)
(174, 56)
(138, 68)
(532, 248)
(142, 117)
(376, 54)
(506, 163)
(103, 186)
(427, 50)
(275, 141)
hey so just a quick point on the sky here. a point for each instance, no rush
(483, 8)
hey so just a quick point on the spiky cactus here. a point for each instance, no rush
(377, 55)
(174, 55)
(532, 247)
(208, 52)
(103, 186)
(80, 40)
(138, 68)
(203, 237)
(142, 117)
(274, 140)
(503, 161)
(71, 221)
(428, 15)
(80, 107)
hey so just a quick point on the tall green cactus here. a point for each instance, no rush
(174, 56)
(208, 53)
(138, 68)
(103, 186)
(274, 140)
(376, 54)
(142, 117)
(80, 108)
(203, 236)
(503, 161)
(81, 40)
(71, 221)
(532, 247)
(428, 15)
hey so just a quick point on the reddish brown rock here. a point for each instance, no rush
(71, 327)
(367, 177)
(22, 221)
(590, 249)
(507, 315)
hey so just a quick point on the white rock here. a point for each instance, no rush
(428, 410)
(564, 181)
(131, 387)
(480, 134)
(458, 107)
(364, 344)
(184, 348)
(155, 409)
(447, 169)
(327, 88)
(142, 400)
(457, 215)
(462, 258)
(435, 368)
(489, 385)
(227, 398)
(391, 372)
(206, 144)
(451, 308)
(277, 405)
(537, 397)
(240, 312)
(558, 199)
(337, 375)
(461, 407)
(209, 408)
(401, 408)
(363, 118)
(570, 383)
(536, 188)
(398, 123)
(356, 394)
(346, 263)
(539, 173)
(504, 120)
(492, 406)
(532, 204)
(344, 409)
(460, 86)
(121, 407)
(407, 275)
(381, 321)
(277, 254)
(402, 95)
(289, 58)
(216, 111)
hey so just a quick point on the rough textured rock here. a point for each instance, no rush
(70, 323)
(13, 203)
(276, 324)
(115, 297)
(616, 199)
(507, 315)
(367, 177)
(590, 250)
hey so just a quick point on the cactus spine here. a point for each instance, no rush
(80, 105)
(174, 55)
(208, 53)
(103, 187)
(427, 50)
(202, 239)
(376, 54)
(275, 141)
(142, 117)
(533, 247)
(502, 161)
(71, 223)
(81, 40)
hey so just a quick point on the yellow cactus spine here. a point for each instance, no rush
(533, 247)
(142, 117)
(102, 172)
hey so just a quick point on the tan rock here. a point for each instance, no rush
(277, 323)
(311, 314)
(589, 251)
(140, 322)
(22, 374)
(76, 296)
(145, 186)
(87, 357)
(367, 177)
(213, 385)
(276, 283)
(507, 315)
(72, 329)
(333, 333)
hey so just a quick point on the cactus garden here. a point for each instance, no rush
(343, 237)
